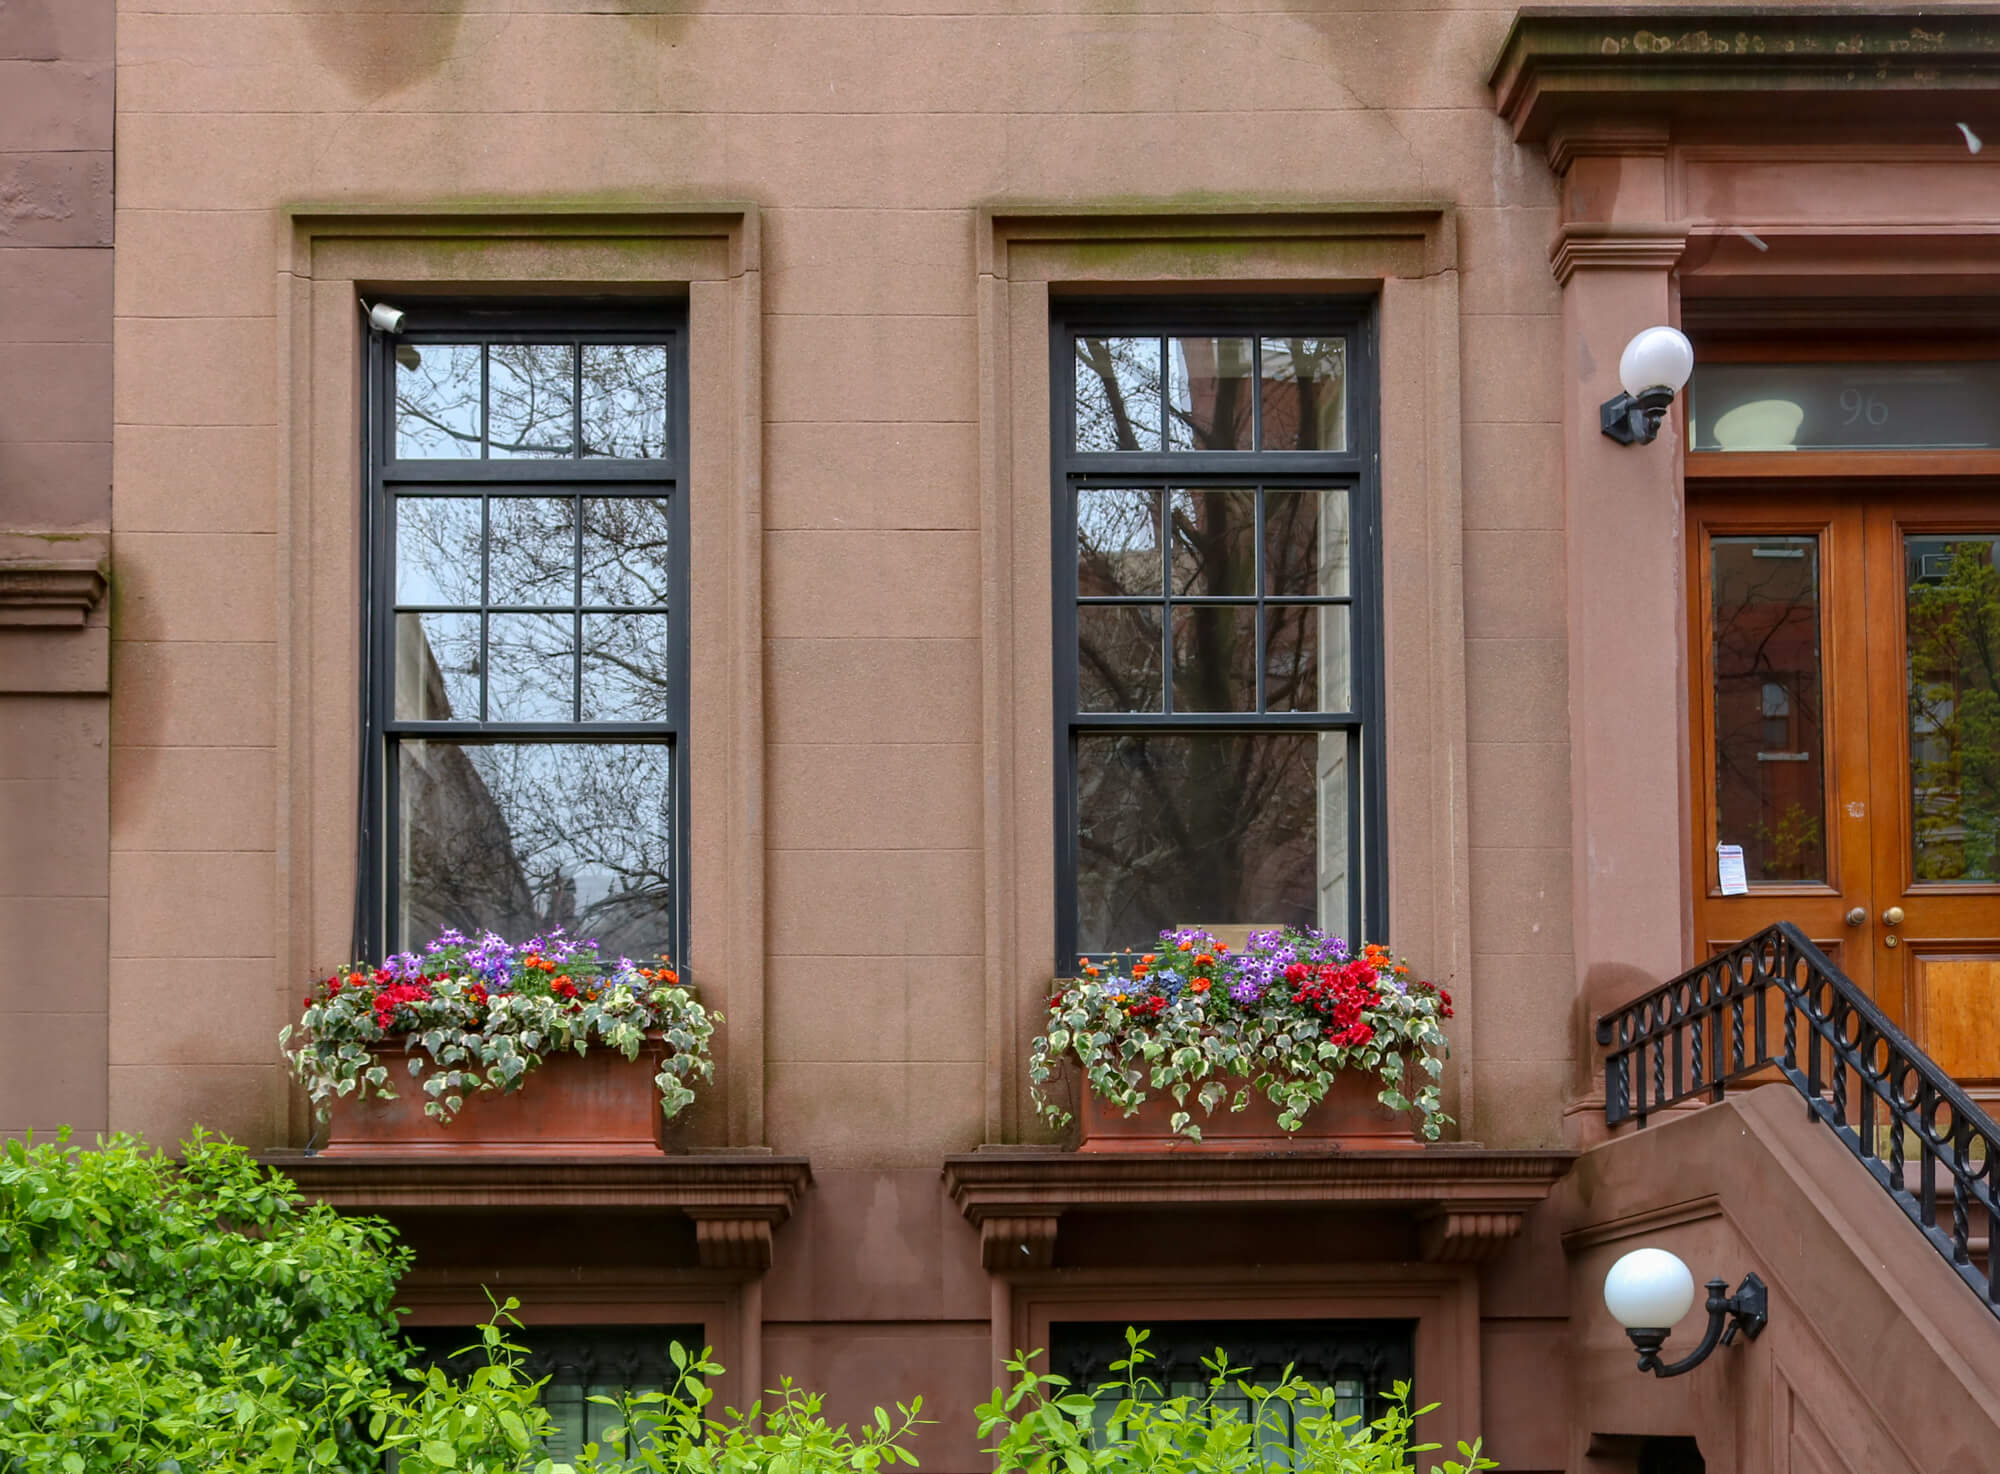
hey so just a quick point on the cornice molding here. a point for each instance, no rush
(1582, 245)
(1778, 61)
(1627, 138)
(50, 580)
(737, 1201)
(1468, 1202)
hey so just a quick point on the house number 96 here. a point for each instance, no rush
(1859, 407)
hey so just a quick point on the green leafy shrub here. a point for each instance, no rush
(1043, 1427)
(185, 1315)
(673, 1432)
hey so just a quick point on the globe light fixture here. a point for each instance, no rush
(1654, 368)
(1649, 1290)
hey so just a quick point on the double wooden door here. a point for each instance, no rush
(1846, 729)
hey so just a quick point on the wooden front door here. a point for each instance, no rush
(1846, 729)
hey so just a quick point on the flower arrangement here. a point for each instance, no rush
(481, 1014)
(1284, 1015)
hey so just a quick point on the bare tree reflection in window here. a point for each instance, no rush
(521, 836)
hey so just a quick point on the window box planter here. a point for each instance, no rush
(485, 1047)
(1350, 1118)
(596, 1104)
(1331, 1045)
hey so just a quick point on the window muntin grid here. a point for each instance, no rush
(1224, 656)
(541, 641)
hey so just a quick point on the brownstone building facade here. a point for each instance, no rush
(839, 293)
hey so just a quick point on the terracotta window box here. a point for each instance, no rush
(571, 1105)
(1351, 1118)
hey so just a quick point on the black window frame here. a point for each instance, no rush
(1357, 468)
(580, 321)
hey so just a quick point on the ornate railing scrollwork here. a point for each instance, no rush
(1776, 1003)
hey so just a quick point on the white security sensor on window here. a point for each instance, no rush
(386, 318)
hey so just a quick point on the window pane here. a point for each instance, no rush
(625, 674)
(437, 401)
(531, 550)
(626, 546)
(1208, 404)
(1117, 542)
(1305, 543)
(1305, 393)
(625, 400)
(532, 672)
(519, 837)
(1769, 747)
(1118, 658)
(1199, 828)
(1117, 393)
(532, 393)
(1214, 542)
(437, 667)
(437, 550)
(1215, 657)
(1306, 658)
(1954, 661)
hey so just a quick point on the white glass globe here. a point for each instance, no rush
(1649, 1289)
(1658, 358)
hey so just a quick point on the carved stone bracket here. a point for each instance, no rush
(1467, 1202)
(50, 580)
(1459, 1235)
(727, 1241)
(1010, 1241)
(737, 1200)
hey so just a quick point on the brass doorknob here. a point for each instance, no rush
(1893, 916)
(1857, 916)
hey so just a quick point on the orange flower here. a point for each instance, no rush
(1203, 959)
(1199, 985)
(1138, 972)
(670, 975)
(1222, 946)
(1148, 959)
(1090, 972)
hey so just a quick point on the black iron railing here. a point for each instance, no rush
(1775, 1003)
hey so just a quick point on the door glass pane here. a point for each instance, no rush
(1953, 629)
(1212, 828)
(518, 837)
(1208, 403)
(1305, 393)
(1770, 749)
(1117, 394)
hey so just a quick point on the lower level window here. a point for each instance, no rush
(578, 1363)
(1360, 1360)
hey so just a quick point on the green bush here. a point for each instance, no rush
(185, 1315)
(1043, 1427)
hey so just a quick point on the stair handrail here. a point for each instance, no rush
(1668, 1045)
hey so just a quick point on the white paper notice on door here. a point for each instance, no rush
(1729, 870)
